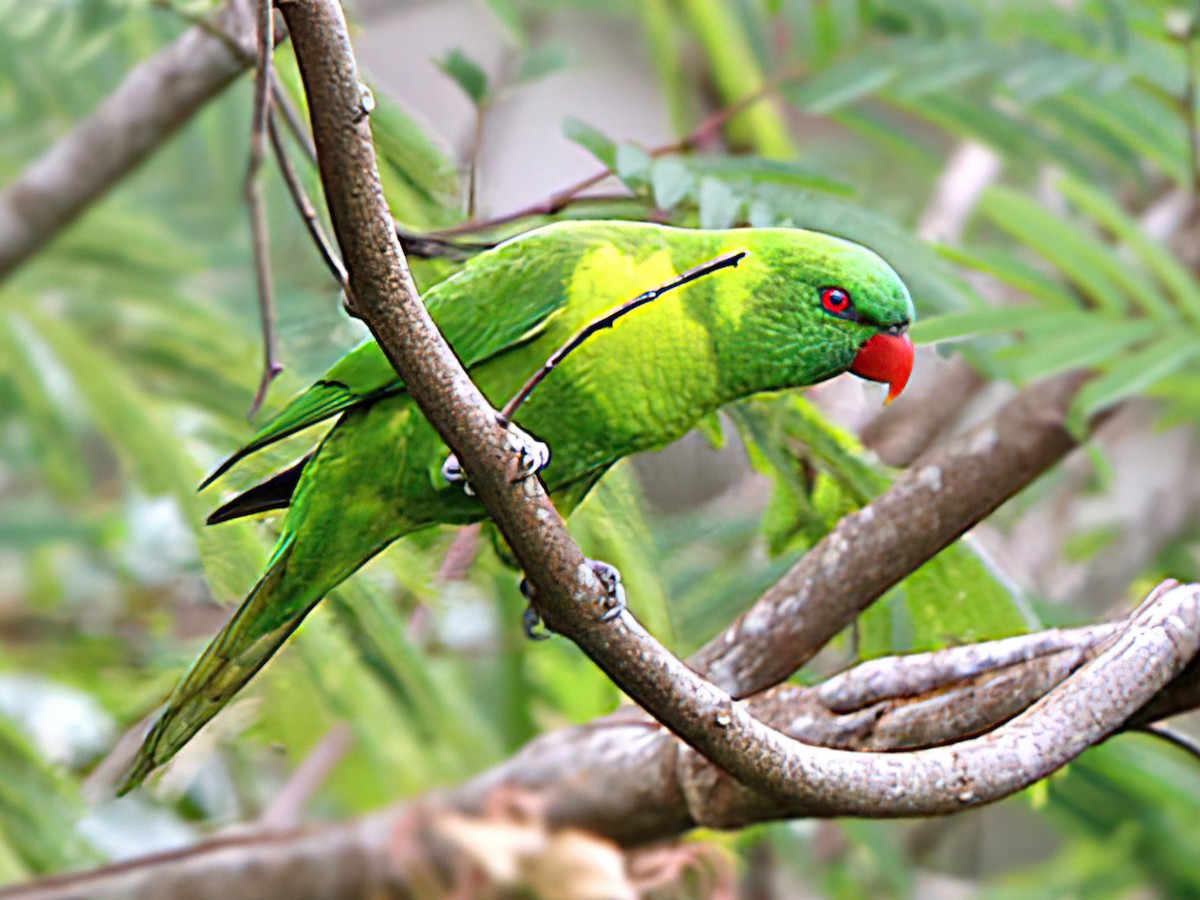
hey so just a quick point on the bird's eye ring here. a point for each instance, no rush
(837, 301)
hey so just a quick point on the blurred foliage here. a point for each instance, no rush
(128, 358)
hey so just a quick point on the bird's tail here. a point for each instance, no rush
(268, 616)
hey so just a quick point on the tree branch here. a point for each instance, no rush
(155, 99)
(930, 505)
(820, 780)
(665, 789)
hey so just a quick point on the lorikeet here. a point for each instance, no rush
(800, 308)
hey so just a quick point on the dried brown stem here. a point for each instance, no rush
(259, 228)
(305, 207)
(287, 807)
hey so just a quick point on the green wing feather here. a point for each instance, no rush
(464, 307)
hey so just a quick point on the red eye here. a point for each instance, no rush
(836, 301)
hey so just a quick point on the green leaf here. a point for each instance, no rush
(540, 63)
(947, 64)
(993, 320)
(125, 415)
(1013, 272)
(509, 15)
(842, 84)
(466, 74)
(672, 182)
(956, 598)
(38, 810)
(745, 172)
(1143, 122)
(1088, 262)
(719, 206)
(420, 179)
(1135, 374)
(633, 166)
(1153, 255)
(591, 139)
(55, 442)
(1082, 342)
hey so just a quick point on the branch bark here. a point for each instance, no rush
(932, 504)
(666, 789)
(154, 100)
(821, 780)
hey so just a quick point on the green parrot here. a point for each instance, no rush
(800, 308)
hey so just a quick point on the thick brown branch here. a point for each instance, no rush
(928, 507)
(666, 789)
(153, 101)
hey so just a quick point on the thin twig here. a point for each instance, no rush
(473, 162)
(283, 101)
(726, 260)
(422, 245)
(548, 207)
(1184, 742)
(305, 207)
(265, 44)
(209, 25)
(563, 197)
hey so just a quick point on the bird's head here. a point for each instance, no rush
(850, 306)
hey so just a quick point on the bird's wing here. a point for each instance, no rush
(498, 300)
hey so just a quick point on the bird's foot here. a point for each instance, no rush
(531, 620)
(453, 472)
(532, 456)
(614, 599)
(614, 590)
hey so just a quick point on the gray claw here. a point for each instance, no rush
(610, 579)
(531, 620)
(532, 457)
(614, 602)
(532, 454)
(453, 473)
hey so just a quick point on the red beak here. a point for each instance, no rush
(887, 358)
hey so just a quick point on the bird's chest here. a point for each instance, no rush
(636, 386)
